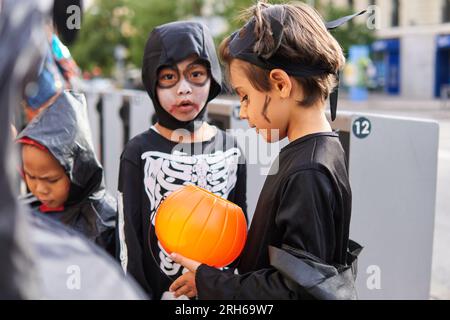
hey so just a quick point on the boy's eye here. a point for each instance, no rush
(29, 176)
(198, 76)
(167, 78)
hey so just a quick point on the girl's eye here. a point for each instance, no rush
(244, 98)
(198, 77)
(168, 77)
(53, 180)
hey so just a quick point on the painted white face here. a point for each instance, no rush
(183, 89)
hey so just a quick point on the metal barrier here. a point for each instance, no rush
(393, 174)
(445, 96)
(115, 117)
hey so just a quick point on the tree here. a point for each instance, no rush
(128, 22)
(352, 33)
(109, 23)
(100, 32)
(231, 11)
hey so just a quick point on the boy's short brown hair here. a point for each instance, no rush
(305, 40)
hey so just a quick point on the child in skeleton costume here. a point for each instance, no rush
(181, 74)
(283, 64)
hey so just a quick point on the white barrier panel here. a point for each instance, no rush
(140, 114)
(141, 111)
(113, 138)
(92, 99)
(393, 174)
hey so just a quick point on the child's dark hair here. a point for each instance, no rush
(305, 40)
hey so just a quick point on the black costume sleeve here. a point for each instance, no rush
(262, 284)
(130, 243)
(304, 221)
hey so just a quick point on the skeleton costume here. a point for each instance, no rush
(152, 166)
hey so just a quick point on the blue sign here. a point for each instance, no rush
(442, 77)
(386, 45)
(390, 48)
(359, 60)
(443, 41)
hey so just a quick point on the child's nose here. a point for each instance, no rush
(243, 113)
(184, 88)
(41, 188)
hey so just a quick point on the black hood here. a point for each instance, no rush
(169, 44)
(63, 128)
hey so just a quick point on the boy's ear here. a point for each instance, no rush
(281, 82)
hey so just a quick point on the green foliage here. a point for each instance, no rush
(111, 22)
(128, 22)
(352, 33)
(347, 35)
(98, 36)
(147, 15)
(232, 11)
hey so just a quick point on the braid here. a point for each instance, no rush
(265, 44)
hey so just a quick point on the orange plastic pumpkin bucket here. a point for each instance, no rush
(201, 226)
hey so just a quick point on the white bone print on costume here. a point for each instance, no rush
(164, 173)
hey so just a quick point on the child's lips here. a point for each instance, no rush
(45, 201)
(184, 107)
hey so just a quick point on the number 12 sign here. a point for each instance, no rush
(362, 127)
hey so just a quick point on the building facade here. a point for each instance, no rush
(412, 52)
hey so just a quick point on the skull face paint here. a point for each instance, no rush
(183, 89)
